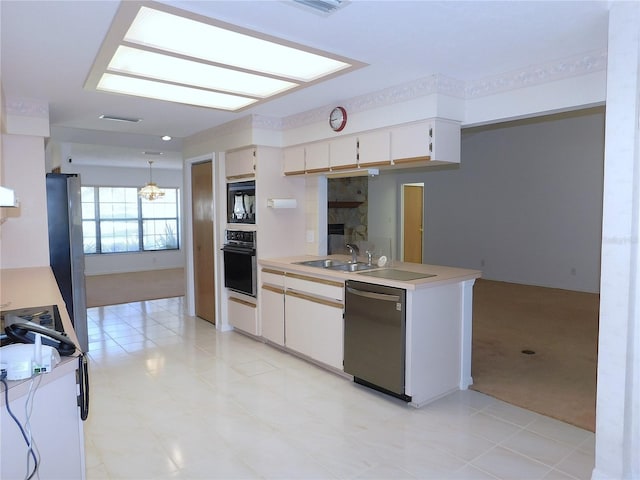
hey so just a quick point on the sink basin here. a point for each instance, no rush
(323, 263)
(353, 267)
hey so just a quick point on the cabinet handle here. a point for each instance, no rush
(310, 298)
(273, 289)
(242, 302)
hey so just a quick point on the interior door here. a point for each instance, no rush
(412, 221)
(203, 257)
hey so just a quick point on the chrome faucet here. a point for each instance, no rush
(369, 258)
(354, 251)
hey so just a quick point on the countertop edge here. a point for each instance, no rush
(443, 275)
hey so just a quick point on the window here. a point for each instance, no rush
(116, 219)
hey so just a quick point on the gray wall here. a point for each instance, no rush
(525, 206)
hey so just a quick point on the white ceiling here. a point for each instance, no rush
(48, 48)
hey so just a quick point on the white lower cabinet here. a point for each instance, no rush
(314, 323)
(272, 313)
(243, 315)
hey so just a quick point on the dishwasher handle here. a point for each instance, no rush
(373, 295)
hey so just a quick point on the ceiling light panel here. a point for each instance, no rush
(219, 45)
(158, 51)
(178, 70)
(172, 93)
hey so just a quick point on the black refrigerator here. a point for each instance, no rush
(66, 251)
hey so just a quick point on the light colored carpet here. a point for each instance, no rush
(119, 288)
(560, 326)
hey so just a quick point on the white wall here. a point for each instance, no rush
(526, 201)
(24, 232)
(130, 177)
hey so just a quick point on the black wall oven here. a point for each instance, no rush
(240, 262)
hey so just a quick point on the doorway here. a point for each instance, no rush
(203, 258)
(412, 228)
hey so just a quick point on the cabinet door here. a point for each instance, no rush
(240, 164)
(411, 143)
(374, 148)
(293, 160)
(243, 315)
(445, 141)
(328, 334)
(317, 157)
(272, 313)
(314, 328)
(298, 328)
(343, 153)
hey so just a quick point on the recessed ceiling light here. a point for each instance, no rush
(166, 138)
(158, 51)
(119, 119)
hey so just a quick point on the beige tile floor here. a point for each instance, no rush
(173, 398)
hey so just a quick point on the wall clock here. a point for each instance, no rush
(338, 119)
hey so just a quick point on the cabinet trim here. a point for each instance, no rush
(270, 270)
(313, 299)
(344, 167)
(239, 177)
(381, 163)
(242, 302)
(426, 158)
(316, 280)
(273, 289)
(317, 170)
(294, 172)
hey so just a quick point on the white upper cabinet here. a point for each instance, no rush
(240, 164)
(424, 142)
(374, 148)
(293, 160)
(434, 139)
(343, 153)
(317, 157)
(410, 142)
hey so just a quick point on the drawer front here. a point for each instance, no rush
(272, 277)
(315, 286)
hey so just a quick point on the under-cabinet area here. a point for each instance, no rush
(301, 305)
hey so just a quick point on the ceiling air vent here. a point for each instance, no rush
(323, 6)
(120, 119)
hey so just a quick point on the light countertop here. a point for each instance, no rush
(32, 287)
(443, 275)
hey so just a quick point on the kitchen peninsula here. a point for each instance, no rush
(302, 311)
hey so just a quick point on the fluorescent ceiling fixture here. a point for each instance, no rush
(158, 51)
(178, 70)
(172, 33)
(172, 93)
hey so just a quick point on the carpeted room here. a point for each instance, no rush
(525, 208)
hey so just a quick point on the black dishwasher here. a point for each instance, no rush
(375, 337)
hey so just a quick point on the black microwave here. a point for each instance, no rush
(241, 202)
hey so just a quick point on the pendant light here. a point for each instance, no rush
(150, 191)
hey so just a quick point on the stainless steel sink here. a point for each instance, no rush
(354, 267)
(331, 264)
(323, 263)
